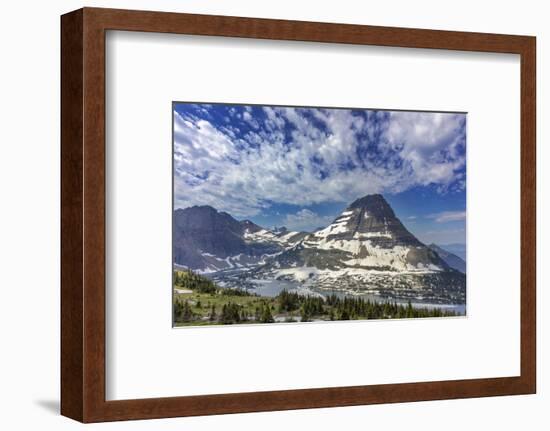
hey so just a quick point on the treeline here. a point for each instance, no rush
(235, 313)
(290, 306)
(351, 308)
(229, 313)
(190, 280)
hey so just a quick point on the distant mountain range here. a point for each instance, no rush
(365, 248)
(450, 259)
(207, 240)
(457, 249)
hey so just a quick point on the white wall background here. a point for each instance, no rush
(29, 216)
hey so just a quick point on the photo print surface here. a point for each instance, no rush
(306, 214)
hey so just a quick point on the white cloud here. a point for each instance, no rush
(311, 156)
(448, 216)
(306, 220)
(249, 119)
(430, 143)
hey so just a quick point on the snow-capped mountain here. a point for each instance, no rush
(207, 240)
(366, 235)
(282, 237)
(367, 248)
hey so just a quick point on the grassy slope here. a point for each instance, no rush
(200, 294)
(247, 303)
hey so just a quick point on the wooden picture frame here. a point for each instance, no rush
(83, 334)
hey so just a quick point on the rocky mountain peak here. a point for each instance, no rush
(250, 226)
(370, 218)
(375, 205)
(200, 208)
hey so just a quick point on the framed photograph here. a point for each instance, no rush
(334, 249)
(269, 215)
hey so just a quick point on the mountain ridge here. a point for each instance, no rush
(208, 240)
(365, 249)
(453, 260)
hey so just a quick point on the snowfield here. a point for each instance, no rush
(266, 236)
(305, 273)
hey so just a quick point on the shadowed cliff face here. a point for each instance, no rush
(205, 238)
(203, 229)
(372, 214)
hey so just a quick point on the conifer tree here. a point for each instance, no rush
(212, 317)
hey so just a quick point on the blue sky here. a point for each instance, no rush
(300, 167)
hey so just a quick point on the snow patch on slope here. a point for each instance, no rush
(305, 273)
(266, 236)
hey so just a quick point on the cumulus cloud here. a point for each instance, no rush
(303, 157)
(429, 142)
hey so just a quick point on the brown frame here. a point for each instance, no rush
(83, 214)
